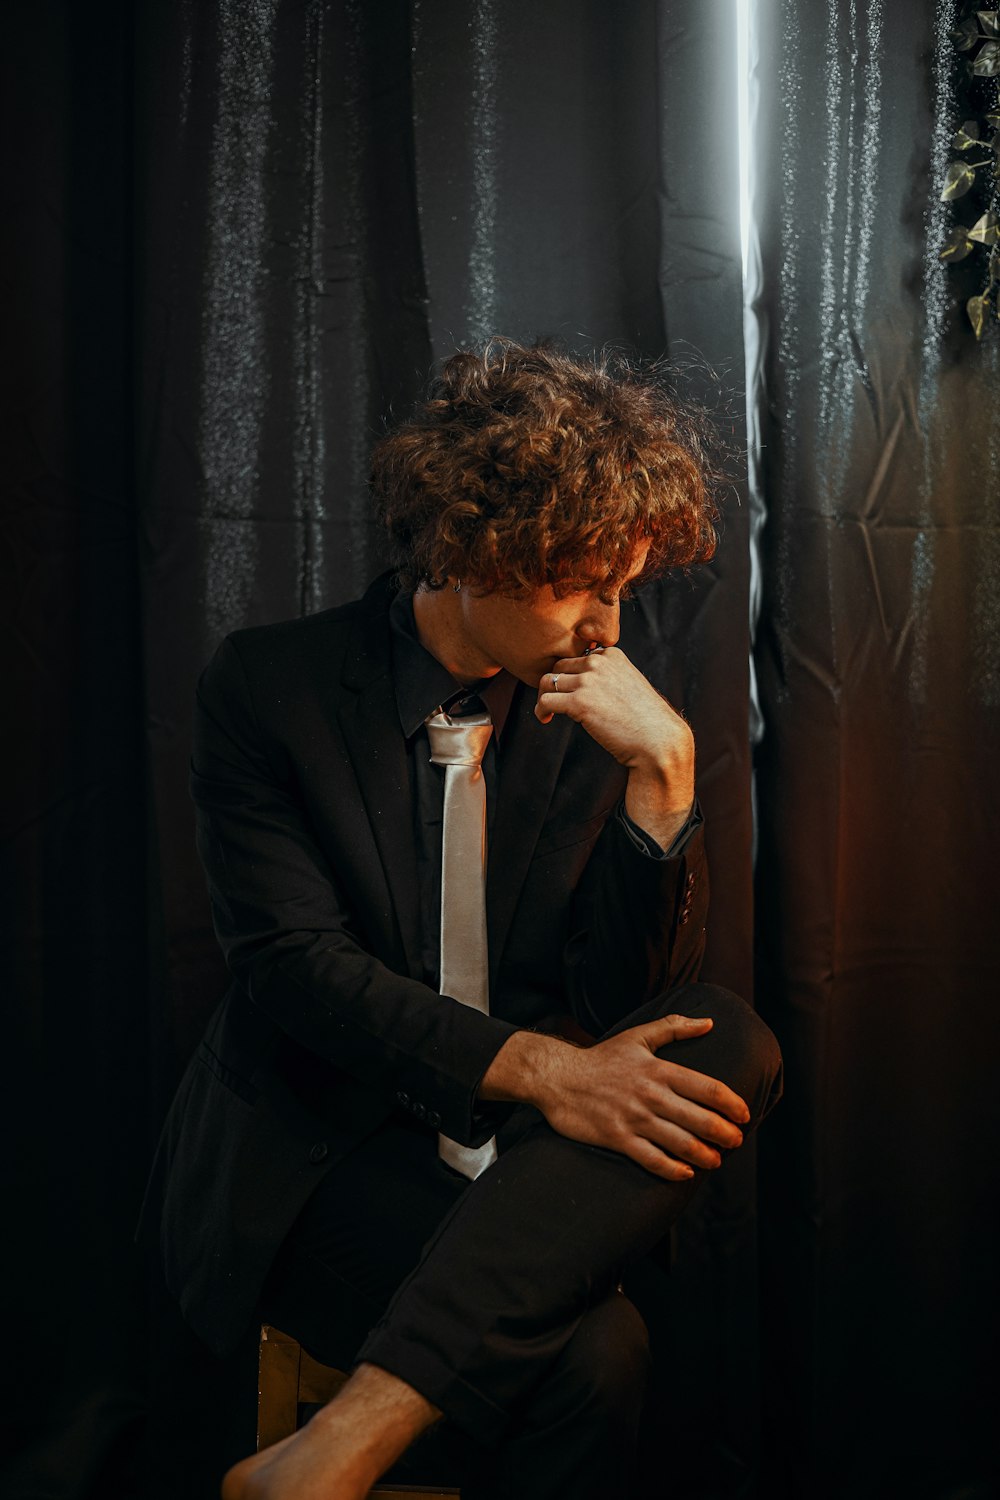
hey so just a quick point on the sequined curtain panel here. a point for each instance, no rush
(245, 231)
(282, 314)
(879, 664)
(336, 194)
(241, 233)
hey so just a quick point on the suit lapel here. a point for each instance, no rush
(370, 725)
(531, 758)
(532, 755)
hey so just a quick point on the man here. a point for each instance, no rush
(521, 1098)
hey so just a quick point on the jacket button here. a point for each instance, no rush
(404, 1099)
(434, 1118)
(319, 1151)
(419, 1111)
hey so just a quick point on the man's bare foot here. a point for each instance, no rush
(340, 1454)
(237, 1481)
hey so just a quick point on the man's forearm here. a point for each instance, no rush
(620, 1095)
(524, 1069)
(659, 801)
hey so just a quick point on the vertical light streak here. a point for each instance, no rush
(935, 302)
(310, 436)
(353, 422)
(850, 262)
(986, 615)
(234, 385)
(481, 307)
(750, 258)
(743, 108)
(790, 343)
(857, 192)
(187, 65)
(870, 158)
(832, 250)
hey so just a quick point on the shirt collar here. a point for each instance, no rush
(422, 684)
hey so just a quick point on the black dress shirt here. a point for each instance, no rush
(422, 686)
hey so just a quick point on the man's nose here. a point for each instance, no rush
(601, 626)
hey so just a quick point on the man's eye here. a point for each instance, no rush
(619, 596)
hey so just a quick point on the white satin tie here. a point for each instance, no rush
(459, 745)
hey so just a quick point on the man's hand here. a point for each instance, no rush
(623, 712)
(620, 1095)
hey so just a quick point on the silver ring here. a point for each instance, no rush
(555, 681)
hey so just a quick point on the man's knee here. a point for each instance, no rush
(603, 1369)
(741, 1049)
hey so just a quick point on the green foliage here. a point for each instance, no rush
(977, 38)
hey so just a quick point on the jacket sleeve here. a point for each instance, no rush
(283, 918)
(637, 925)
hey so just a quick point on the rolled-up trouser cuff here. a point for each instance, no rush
(422, 1369)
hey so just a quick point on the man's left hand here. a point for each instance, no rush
(622, 711)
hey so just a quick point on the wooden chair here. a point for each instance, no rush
(289, 1379)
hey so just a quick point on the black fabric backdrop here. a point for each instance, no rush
(238, 234)
(879, 664)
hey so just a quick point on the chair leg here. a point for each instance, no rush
(318, 1383)
(277, 1386)
(409, 1492)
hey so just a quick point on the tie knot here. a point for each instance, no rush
(458, 742)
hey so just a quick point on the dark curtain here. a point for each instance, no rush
(246, 229)
(879, 664)
(76, 936)
(242, 230)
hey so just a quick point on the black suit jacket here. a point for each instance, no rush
(305, 829)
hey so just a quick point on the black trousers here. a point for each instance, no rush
(498, 1300)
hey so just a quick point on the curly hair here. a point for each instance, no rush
(528, 465)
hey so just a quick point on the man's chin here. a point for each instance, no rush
(532, 675)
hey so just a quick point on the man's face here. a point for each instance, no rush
(527, 636)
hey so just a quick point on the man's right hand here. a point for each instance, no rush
(620, 1095)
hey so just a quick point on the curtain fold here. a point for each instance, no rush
(877, 649)
(246, 231)
(72, 928)
(334, 194)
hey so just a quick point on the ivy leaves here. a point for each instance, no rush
(977, 36)
(958, 182)
(970, 32)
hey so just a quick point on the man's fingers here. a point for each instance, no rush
(707, 1126)
(559, 684)
(569, 667)
(711, 1092)
(556, 688)
(687, 1082)
(587, 663)
(682, 1144)
(667, 1029)
(567, 675)
(572, 664)
(658, 1162)
(556, 703)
